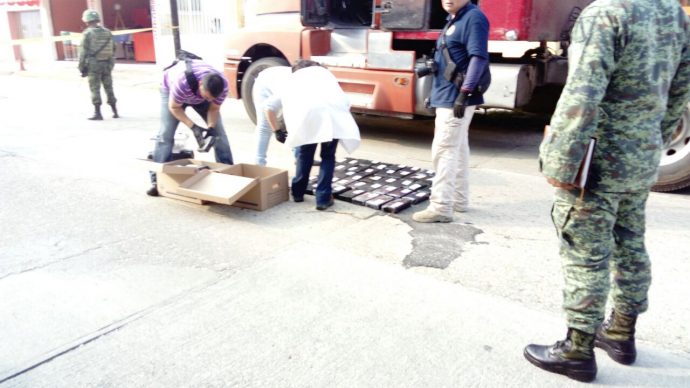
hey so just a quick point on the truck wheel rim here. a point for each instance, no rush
(679, 146)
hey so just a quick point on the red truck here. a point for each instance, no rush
(374, 46)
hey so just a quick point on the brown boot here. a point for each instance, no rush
(114, 108)
(617, 337)
(573, 357)
(96, 113)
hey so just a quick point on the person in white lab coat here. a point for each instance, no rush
(316, 111)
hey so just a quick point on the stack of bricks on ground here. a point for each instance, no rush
(388, 187)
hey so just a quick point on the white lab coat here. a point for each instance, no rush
(316, 110)
(269, 82)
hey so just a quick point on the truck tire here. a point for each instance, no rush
(248, 82)
(674, 168)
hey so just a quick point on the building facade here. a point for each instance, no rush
(44, 27)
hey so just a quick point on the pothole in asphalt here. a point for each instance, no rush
(437, 245)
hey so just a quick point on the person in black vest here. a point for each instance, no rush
(460, 77)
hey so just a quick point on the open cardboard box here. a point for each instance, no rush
(271, 189)
(172, 174)
(190, 166)
(242, 185)
(217, 186)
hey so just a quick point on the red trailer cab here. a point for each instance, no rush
(373, 47)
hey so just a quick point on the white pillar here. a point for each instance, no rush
(47, 27)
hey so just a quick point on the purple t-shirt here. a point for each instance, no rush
(175, 82)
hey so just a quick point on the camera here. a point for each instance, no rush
(425, 67)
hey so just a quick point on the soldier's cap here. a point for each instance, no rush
(90, 16)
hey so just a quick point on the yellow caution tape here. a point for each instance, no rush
(71, 36)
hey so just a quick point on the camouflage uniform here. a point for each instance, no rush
(628, 83)
(99, 67)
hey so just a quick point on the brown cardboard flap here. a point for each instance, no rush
(217, 187)
(179, 197)
(271, 180)
(190, 166)
(258, 171)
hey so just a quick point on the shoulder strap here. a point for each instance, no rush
(171, 65)
(452, 73)
(189, 74)
(102, 47)
(454, 20)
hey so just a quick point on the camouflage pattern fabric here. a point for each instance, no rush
(602, 233)
(98, 64)
(100, 73)
(628, 83)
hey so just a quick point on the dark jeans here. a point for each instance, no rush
(305, 160)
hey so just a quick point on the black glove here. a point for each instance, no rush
(460, 104)
(84, 73)
(207, 137)
(281, 135)
(211, 132)
(198, 135)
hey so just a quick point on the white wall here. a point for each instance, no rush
(204, 26)
(36, 24)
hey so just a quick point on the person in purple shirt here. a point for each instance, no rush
(176, 95)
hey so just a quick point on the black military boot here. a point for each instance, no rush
(114, 108)
(152, 191)
(96, 113)
(617, 337)
(573, 357)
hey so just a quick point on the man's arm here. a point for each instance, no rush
(177, 111)
(591, 62)
(112, 56)
(271, 106)
(213, 114)
(678, 95)
(272, 119)
(83, 50)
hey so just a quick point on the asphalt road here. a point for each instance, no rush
(103, 286)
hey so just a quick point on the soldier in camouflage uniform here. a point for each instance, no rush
(96, 61)
(628, 83)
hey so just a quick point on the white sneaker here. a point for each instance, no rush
(427, 216)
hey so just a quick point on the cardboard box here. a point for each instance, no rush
(242, 185)
(271, 188)
(220, 187)
(168, 184)
(172, 174)
(190, 166)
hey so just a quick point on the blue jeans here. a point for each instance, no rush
(263, 136)
(166, 136)
(305, 160)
